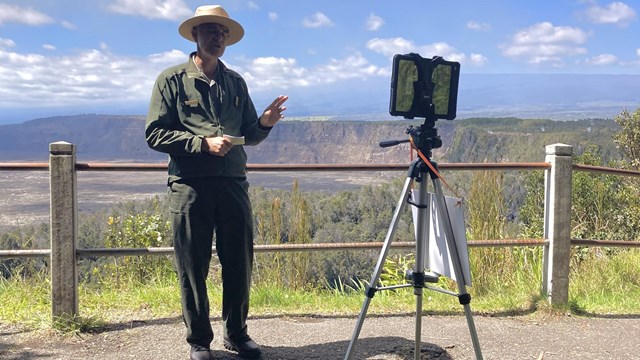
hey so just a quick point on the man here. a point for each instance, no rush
(200, 114)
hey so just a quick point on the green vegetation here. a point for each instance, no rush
(513, 140)
(505, 280)
(628, 138)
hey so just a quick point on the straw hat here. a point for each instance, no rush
(212, 14)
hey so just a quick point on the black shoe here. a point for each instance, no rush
(244, 346)
(199, 352)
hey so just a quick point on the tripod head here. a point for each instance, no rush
(424, 137)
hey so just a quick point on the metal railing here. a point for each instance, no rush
(64, 254)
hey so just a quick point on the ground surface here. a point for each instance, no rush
(389, 337)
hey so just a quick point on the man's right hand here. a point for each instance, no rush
(218, 145)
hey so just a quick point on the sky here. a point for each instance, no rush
(64, 57)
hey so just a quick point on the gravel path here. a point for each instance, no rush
(388, 337)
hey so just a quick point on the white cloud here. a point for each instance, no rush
(374, 22)
(48, 47)
(546, 43)
(617, 13)
(153, 9)
(253, 5)
(68, 25)
(6, 43)
(478, 59)
(317, 20)
(17, 14)
(268, 73)
(167, 58)
(638, 52)
(545, 32)
(353, 66)
(273, 16)
(392, 46)
(602, 59)
(476, 26)
(94, 77)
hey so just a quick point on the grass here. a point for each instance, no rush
(607, 284)
(601, 285)
(28, 302)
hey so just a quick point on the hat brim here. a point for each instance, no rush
(236, 32)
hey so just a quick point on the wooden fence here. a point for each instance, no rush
(64, 254)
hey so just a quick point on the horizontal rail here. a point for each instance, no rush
(256, 248)
(605, 170)
(495, 166)
(84, 253)
(40, 253)
(508, 243)
(318, 167)
(24, 166)
(606, 243)
(100, 166)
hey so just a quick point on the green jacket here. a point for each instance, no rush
(182, 113)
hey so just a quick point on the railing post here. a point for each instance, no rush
(557, 225)
(63, 229)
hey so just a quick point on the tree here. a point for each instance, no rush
(628, 139)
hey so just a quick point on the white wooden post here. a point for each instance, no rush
(63, 229)
(557, 226)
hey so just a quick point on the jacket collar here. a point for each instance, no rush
(194, 72)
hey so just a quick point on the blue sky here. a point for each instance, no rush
(77, 56)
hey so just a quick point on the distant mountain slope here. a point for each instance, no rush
(121, 138)
(98, 137)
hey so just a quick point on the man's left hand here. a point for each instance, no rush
(273, 113)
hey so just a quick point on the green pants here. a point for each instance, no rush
(201, 207)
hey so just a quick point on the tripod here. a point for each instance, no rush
(426, 139)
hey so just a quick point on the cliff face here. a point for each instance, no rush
(121, 138)
(97, 137)
(333, 142)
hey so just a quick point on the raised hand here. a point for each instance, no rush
(273, 113)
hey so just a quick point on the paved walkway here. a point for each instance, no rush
(390, 337)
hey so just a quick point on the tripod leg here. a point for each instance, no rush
(463, 295)
(422, 231)
(370, 292)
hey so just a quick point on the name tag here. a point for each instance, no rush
(192, 103)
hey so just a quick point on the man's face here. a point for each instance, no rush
(211, 38)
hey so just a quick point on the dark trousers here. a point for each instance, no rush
(199, 208)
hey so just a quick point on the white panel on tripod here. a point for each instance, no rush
(438, 255)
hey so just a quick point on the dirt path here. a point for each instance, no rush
(297, 338)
